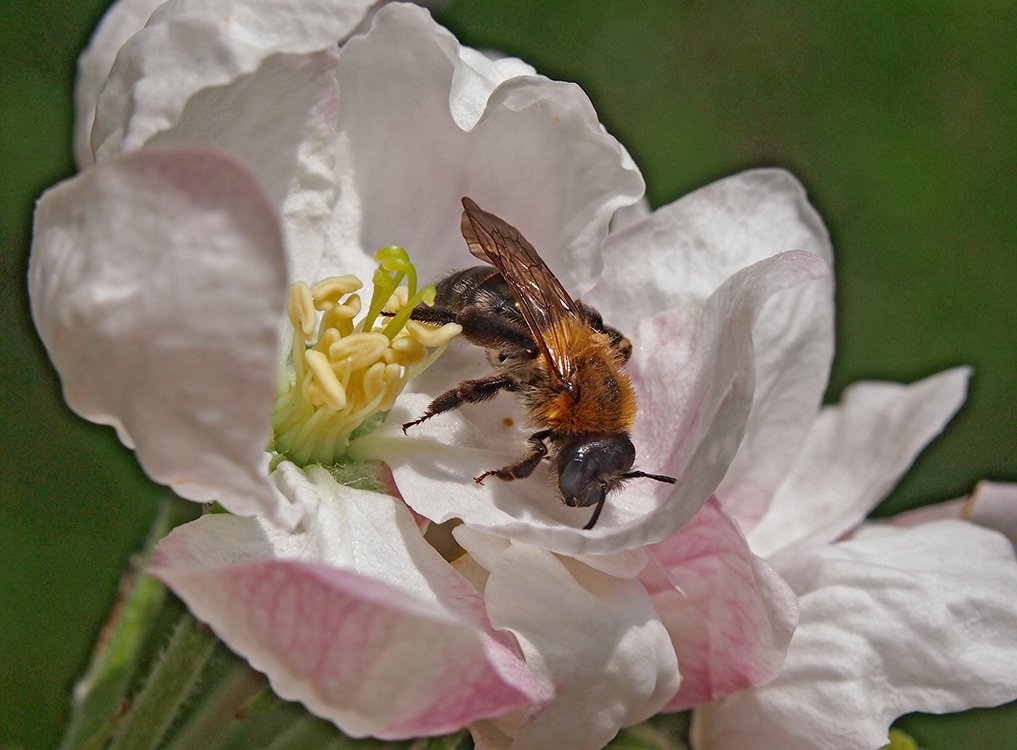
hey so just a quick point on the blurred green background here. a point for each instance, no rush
(900, 118)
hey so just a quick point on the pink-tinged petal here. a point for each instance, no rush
(123, 19)
(692, 370)
(853, 456)
(171, 340)
(682, 253)
(992, 505)
(418, 141)
(594, 638)
(729, 615)
(191, 45)
(922, 619)
(355, 615)
(280, 120)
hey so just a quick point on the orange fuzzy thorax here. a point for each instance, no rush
(606, 402)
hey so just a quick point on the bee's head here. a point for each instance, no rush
(589, 468)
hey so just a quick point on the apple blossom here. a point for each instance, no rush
(235, 168)
(196, 288)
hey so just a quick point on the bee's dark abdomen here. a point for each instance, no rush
(479, 300)
(482, 286)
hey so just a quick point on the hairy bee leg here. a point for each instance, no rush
(482, 328)
(524, 467)
(619, 340)
(467, 392)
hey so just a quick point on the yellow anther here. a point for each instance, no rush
(405, 351)
(394, 382)
(348, 364)
(325, 339)
(328, 291)
(330, 389)
(301, 310)
(398, 300)
(430, 336)
(349, 309)
(374, 381)
(358, 350)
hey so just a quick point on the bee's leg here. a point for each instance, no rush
(467, 392)
(431, 314)
(524, 467)
(493, 331)
(619, 341)
(483, 328)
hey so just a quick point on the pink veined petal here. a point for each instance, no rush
(356, 616)
(729, 615)
(853, 456)
(191, 45)
(918, 619)
(683, 252)
(692, 370)
(535, 155)
(157, 283)
(594, 638)
(121, 21)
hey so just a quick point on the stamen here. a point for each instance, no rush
(343, 371)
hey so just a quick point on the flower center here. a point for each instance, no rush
(344, 372)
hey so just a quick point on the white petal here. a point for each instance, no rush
(123, 19)
(626, 216)
(191, 45)
(693, 377)
(918, 620)
(853, 456)
(157, 283)
(476, 77)
(536, 155)
(992, 505)
(355, 615)
(683, 252)
(594, 638)
(280, 121)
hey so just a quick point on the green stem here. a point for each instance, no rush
(101, 693)
(212, 722)
(167, 687)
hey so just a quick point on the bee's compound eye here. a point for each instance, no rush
(592, 494)
(587, 467)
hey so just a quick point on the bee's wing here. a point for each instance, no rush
(544, 303)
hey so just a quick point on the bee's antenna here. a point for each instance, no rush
(658, 477)
(596, 513)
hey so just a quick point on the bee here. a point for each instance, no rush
(564, 363)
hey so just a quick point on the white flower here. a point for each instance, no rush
(917, 615)
(236, 153)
